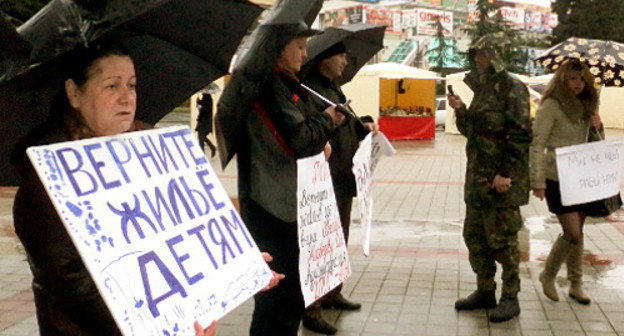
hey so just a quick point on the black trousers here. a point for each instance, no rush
(278, 311)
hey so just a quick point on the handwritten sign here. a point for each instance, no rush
(365, 161)
(323, 257)
(154, 227)
(589, 171)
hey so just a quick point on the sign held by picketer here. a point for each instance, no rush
(154, 227)
(365, 161)
(589, 171)
(323, 256)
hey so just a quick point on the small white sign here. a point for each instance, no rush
(590, 171)
(154, 227)
(365, 160)
(323, 257)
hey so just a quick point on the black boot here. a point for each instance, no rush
(339, 302)
(506, 309)
(313, 320)
(477, 300)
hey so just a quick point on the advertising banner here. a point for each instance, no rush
(341, 16)
(515, 16)
(384, 16)
(427, 19)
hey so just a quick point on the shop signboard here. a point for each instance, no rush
(427, 19)
(383, 16)
(428, 2)
(549, 22)
(455, 4)
(341, 16)
(473, 13)
(515, 16)
(533, 21)
(409, 18)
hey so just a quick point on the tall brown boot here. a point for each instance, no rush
(558, 253)
(575, 274)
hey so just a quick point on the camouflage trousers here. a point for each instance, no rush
(491, 234)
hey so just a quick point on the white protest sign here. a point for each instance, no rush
(365, 160)
(154, 227)
(589, 171)
(323, 257)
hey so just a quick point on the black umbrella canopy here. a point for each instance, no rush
(14, 46)
(361, 40)
(605, 59)
(285, 20)
(178, 47)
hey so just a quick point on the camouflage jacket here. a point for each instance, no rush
(498, 128)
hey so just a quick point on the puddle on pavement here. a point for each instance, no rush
(535, 240)
(535, 243)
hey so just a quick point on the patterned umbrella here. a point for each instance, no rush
(605, 59)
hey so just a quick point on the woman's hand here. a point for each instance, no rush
(594, 120)
(539, 193)
(276, 276)
(336, 116)
(455, 101)
(210, 331)
(327, 151)
(501, 184)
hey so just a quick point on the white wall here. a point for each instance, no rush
(363, 90)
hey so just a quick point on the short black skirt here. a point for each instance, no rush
(553, 199)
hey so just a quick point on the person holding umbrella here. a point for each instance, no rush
(279, 129)
(498, 130)
(567, 116)
(326, 67)
(98, 99)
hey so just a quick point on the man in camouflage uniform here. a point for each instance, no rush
(497, 127)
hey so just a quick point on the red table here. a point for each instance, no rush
(407, 128)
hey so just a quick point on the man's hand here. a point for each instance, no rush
(454, 101)
(336, 116)
(373, 127)
(210, 331)
(501, 184)
(539, 193)
(276, 276)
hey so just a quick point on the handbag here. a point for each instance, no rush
(603, 207)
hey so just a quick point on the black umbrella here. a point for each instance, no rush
(178, 46)
(286, 19)
(14, 45)
(362, 41)
(605, 59)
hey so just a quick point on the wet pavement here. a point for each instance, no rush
(418, 265)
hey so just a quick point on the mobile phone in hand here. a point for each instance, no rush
(450, 90)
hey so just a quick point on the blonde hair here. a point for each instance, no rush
(558, 84)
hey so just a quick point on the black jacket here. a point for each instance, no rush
(344, 139)
(282, 128)
(67, 300)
